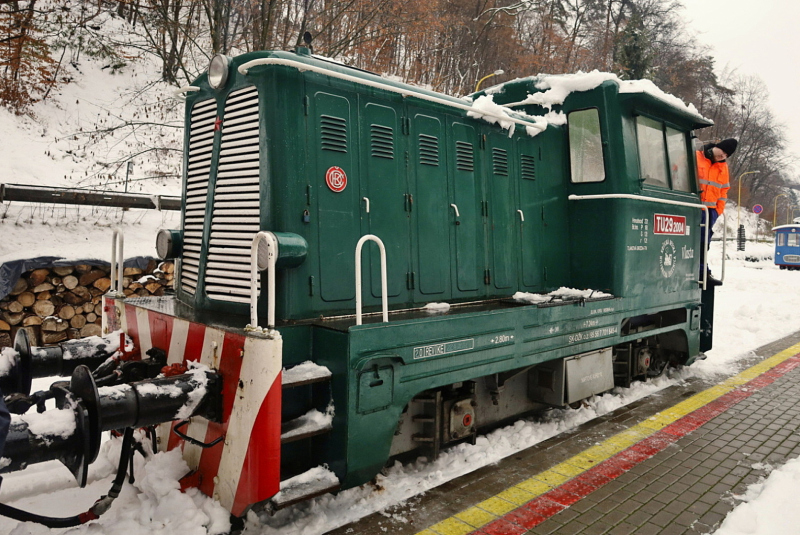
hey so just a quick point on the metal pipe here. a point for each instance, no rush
(724, 245)
(775, 214)
(55, 361)
(495, 73)
(117, 261)
(739, 198)
(45, 194)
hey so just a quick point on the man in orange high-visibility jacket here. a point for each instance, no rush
(712, 175)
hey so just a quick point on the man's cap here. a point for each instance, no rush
(728, 146)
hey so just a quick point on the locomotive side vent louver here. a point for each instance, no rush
(428, 150)
(465, 157)
(333, 133)
(235, 218)
(528, 167)
(382, 141)
(500, 162)
(201, 143)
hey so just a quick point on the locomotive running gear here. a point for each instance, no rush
(714, 182)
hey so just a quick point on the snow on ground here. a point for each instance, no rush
(769, 507)
(757, 304)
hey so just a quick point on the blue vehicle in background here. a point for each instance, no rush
(787, 246)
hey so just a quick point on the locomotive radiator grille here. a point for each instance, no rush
(235, 219)
(792, 258)
(201, 143)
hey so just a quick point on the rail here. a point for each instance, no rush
(46, 194)
(384, 284)
(255, 267)
(704, 277)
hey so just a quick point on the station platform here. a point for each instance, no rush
(668, 464)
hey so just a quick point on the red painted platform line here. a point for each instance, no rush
(536, 511)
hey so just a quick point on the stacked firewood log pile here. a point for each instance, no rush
(64, 302)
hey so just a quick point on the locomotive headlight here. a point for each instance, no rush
(218, 71)
(168, 244)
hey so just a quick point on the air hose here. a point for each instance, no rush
(100, 506)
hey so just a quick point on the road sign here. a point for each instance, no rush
(757, 209)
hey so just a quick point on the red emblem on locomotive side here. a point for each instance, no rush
(336, 179)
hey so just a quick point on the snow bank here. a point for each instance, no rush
(770, 505)
(153, 505)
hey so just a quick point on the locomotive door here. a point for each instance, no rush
(430, 209)
(384, 187)
(504, 217)
(530, 204)
(332, 141)
(469, 222)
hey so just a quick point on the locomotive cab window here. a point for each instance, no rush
(793, 240)
(781, 239)
(585, 146)
(663, 156)
(678, 160)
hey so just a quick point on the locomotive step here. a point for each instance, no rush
(310, 424)
(305, 374)
(310, 484)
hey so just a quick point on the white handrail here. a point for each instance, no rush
(404, 91)
(179, 93)
(661, 201)
(272, 253)
(724, 245)
(384, 285)
(117, 260)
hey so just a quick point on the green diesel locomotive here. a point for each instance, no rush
(497, 212)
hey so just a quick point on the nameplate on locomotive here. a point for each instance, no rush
(436, 350)
(674, 225)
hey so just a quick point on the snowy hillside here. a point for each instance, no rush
(83, 136)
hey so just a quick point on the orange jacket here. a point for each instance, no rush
(714, 182)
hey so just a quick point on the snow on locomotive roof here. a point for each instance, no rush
(481, 108)
(555, 88)
(787, 227)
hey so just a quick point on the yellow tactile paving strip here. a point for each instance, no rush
(496, 507)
